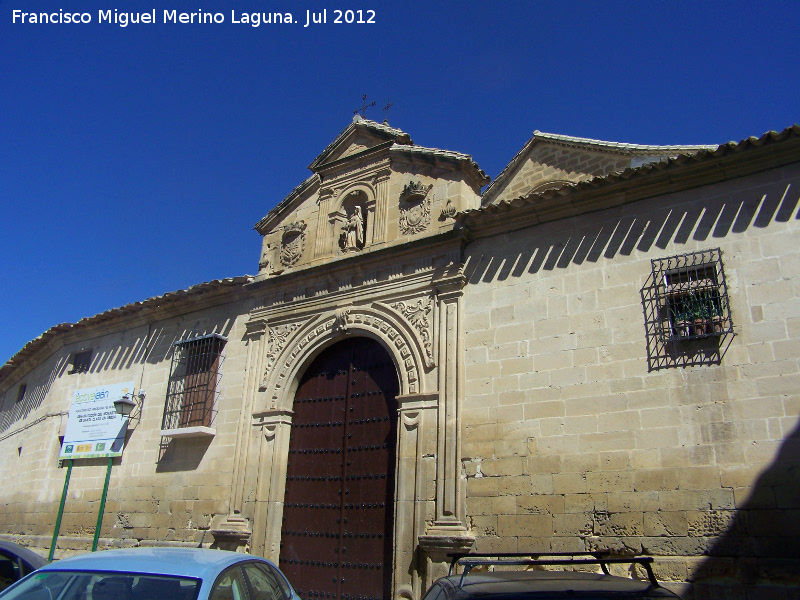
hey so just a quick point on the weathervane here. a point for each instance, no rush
(364, 107)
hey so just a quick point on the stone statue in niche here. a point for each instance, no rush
(353, 231)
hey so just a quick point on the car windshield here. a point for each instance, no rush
(84, 585)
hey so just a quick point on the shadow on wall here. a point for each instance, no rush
(758, 555)
(181, 454)
(676, 223)
(154, 348)
(35, 392)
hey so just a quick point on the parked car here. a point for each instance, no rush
(16, 562)
(531, 577)
(155, 574)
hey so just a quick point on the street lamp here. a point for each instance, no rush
(125, 405)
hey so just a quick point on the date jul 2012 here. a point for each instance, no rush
(340, 16)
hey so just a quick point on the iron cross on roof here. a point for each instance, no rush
(364, 107)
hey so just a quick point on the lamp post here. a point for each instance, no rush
(124, 406)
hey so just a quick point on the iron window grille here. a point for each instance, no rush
(691, 296)
(193, 385)
(81, 361)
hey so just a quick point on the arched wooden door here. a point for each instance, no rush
(336, 536)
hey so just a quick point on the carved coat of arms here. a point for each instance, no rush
(415, 208)
(293, 243)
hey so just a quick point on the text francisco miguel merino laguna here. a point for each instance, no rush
(123, 19)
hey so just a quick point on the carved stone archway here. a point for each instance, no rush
(292, 347)
(421, 334)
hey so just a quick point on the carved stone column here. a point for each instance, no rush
(274, 428)
(416, 489)
(321, 244)
(448, 532)
(381, 206)
(232, 532)
(449, 509)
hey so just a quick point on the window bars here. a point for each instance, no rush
(81, 361)
(192, 391)
(686, 310)
(692, 296)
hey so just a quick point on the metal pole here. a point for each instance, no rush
(102, 506)
(60, 512)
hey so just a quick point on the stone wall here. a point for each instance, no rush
(572, 441)
(161, 490)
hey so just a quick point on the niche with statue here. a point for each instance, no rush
(354, 228)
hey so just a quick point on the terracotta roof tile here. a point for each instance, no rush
(129, 309)
(632, 150)
(700, 156)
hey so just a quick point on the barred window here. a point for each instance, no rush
(194, 377)
(81, 361)
(692, 296)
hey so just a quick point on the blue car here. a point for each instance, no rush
(16, 562)
(155, 574)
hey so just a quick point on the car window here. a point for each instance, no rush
(266, 583)
(9, 570)
(435, 593)
(50, 585)
(76, 585)
(229, 586)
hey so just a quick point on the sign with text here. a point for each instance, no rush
(94, 429)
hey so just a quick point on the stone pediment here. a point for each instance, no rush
(549, 160)
(357, 139)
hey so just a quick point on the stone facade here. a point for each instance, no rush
(546, 403)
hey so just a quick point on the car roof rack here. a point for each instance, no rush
(601, 558)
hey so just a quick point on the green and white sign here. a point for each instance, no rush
(94, 429)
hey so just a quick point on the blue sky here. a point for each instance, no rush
(135, 160)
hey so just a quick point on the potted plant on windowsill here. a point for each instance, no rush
(707, 315)
(681, 323)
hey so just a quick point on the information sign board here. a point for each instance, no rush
(94, 429)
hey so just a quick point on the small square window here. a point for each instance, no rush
(81, 362)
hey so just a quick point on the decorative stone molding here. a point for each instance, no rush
(255, 328)
(449, 211)
(415, 191)
(437, 545)
(293, 243)
(341, 319)
(381, 176)
(277, 340)
(291, 346)
(417, 315)
(359, 169)
(263, 262)
(232, 533)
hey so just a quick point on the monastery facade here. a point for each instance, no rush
(596, 351)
